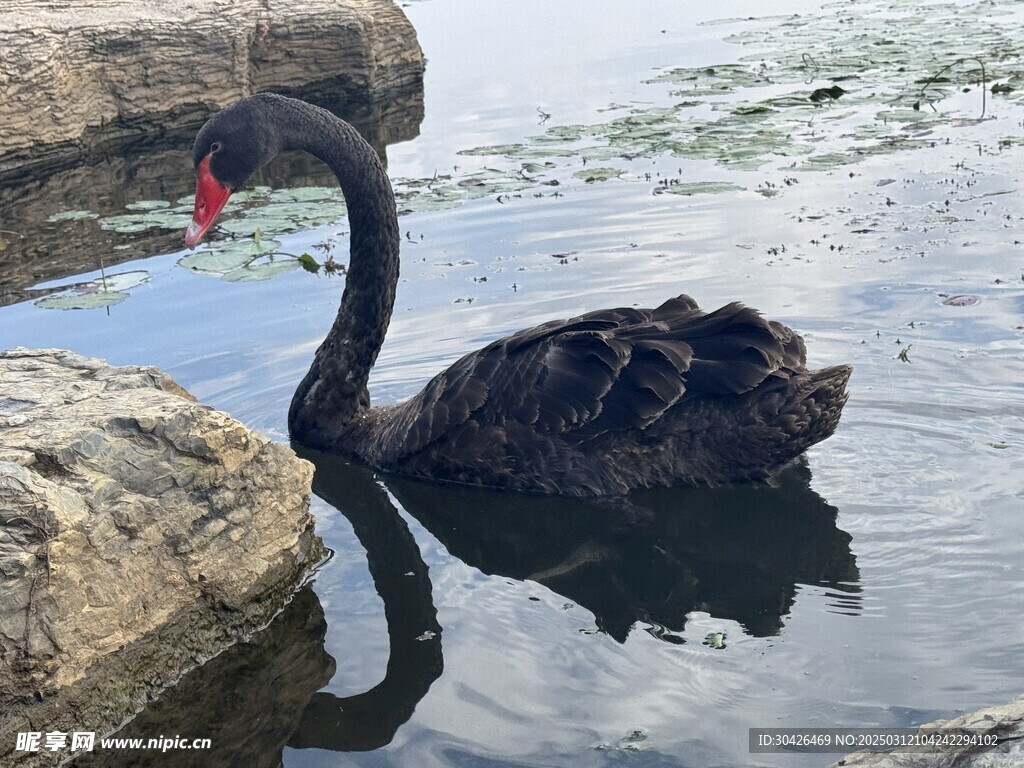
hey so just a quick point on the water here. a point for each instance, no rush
(878, 585)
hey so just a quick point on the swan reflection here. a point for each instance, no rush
(736, 552)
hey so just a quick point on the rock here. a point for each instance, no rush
(140, 534)
(1005, 722)
(75, 76)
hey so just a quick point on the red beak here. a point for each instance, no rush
(211, 196)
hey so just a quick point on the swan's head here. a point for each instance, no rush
(229, 148)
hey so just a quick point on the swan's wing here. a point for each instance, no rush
(600, 372)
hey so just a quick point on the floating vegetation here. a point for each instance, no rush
(73, 216)
(262, 209)
(284, 210)
(675, 187)
(262, 268)
(720, 80)
(892, 80)
(246, 257)
(148, 205)
(224, 258)
(95, 294)
(149, 217)
(715, 640)
(591, 175)
(634, 741)
(444, 191)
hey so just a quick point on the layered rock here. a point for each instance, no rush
(140, 534)
(1004, 724)
(72, 75)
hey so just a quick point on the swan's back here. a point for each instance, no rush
(615, 400)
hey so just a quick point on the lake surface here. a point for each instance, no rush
(880, 584)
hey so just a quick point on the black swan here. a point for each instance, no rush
(599, 404)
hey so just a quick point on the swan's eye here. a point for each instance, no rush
(215, 147)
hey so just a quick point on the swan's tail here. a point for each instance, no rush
(812, 412)
(786, 420)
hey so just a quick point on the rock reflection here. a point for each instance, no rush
(736, 553)
(117, 172)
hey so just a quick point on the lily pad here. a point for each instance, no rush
(227, 257)
(95, 294)
(242, 196)
(250, 225)
(710, 81)
(152, 219)
(284, 210)
(698, 188)
(72, 216)
(82, 300)
(409, 202)
(591, 175)
(148, 205)
(306, 194)
(301, 212)
(828, 161)
(262, 270)
(122, 281)
(494, 149)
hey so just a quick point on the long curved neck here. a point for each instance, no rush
(333, 392)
